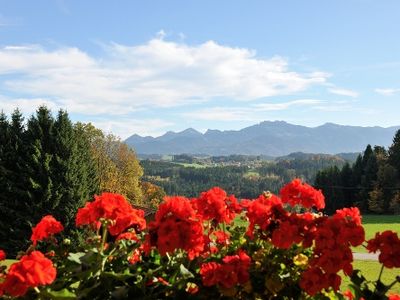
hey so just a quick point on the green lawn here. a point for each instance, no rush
(193, 165)
(370, 270)
(378, 223)
(7, 262)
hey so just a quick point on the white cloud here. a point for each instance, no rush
(248, 113)
(286, 105)
(387, 92)
(158, 73)
(344, 92)
(26, 106)
(221, 114)
(125, 127)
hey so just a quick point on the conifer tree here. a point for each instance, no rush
(14, 209)
(394, 152)
(71, 170)
(40, 150)
(346, 175)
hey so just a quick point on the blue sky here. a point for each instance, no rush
(147, 67)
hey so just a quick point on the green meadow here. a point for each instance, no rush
(370, 270)
(378, 223)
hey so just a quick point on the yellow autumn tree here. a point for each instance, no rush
(118, 168)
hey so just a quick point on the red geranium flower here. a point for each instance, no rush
(115, 208)
(47, 226)
(131, 236)
(234, 270)
(222, 237)
(2, 255)
(313, 281)
(32, 270)
(209, 273)
(177, 226)
(299, 193)
(217, 206)
(388, 243)
(262, 211)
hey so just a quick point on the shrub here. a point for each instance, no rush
(210, 247)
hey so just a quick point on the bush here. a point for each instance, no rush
(210, 247)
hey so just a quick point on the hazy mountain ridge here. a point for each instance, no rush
(276, 138)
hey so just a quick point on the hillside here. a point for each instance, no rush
(276, 138)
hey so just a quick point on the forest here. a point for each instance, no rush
(49, 165)
(243, 176)
(372, 182)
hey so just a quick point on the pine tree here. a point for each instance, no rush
(71, 170)
(15, 211)
(394, 152)
(40, 150)
(346, 175)
(368, 177)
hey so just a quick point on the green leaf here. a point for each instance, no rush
(185, 272)
(357, 278)
(76, 257)
(63, 294)
(119, 276)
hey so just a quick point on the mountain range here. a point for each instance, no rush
(274, 138)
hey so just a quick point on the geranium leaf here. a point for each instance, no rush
(185, 272)
(76, 257)
(63, 294)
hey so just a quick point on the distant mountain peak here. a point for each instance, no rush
(191, 131)
(271, 138)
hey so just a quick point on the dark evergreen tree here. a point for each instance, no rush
(15, 211)
(40, 151)
(394, 152)
(368, 177)
(71, 170)
(346, 175)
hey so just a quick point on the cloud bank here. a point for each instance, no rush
(158, 73)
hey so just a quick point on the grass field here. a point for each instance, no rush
(378, 223)
(193, 165)
(7, 262)
(370, 270)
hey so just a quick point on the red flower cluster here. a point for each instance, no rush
(388, 243)
(333, 240)
(293, 229)
(215, 205)
(262, 211)
(112, 207)
(32, 270)
(47, 226)
(314, 280)
(177, 226)
(130, 236)
(221, 237)
(233, 270)
(299, 193)
(2, 255)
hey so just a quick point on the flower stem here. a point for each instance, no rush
(104, 238)
(380, 273)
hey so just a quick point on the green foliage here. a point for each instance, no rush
(243, 176)
(45, 168)
(372, 183)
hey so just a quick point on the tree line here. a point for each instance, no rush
(49, 165)
(246, 180)
(372, 183)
